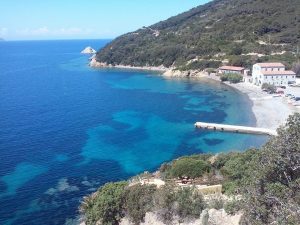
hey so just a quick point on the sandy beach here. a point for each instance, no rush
(270, 112)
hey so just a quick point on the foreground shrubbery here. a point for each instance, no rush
(267, 181)
(116, 200)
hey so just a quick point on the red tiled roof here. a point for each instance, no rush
(278, 73)
(234, 68)
(270, 64)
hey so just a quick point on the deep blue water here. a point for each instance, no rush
(65, 128)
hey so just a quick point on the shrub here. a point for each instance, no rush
(270, 88)
(138, 201)
(232, 207)
(164, 200)
(231, 77)
(189, 167)
(216, 203)
(189, 203)
(106, 205)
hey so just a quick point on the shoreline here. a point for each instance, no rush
(269, 112)
(95, 64)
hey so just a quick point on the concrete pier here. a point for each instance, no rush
(235, 129)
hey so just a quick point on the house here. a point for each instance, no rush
(272, 73)
(231, 69)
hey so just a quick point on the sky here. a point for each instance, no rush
(83, 19)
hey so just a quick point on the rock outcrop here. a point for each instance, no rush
(207, 217)
(88, 50)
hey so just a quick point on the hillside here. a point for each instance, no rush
(221, 29)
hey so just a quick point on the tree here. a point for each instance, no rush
(231, 77)
(270, 88)
(296, 68)
(272, 193)
(236, 170)
(106, 205)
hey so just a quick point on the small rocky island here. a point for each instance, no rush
(88, 50)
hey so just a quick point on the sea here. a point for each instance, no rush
(66, 128)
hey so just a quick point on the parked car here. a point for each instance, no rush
(283, 87)
(297, 99)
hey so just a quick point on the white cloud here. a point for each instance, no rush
(3, 31)
(45, 31)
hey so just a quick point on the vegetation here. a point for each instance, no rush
(232, 77)
(221, 29)
(106, 205)
(189, 167)
(267, 182)
(272, 192)
(296, 69)
(189, 203)
(201, 65)
(138, 201)
(270, 88)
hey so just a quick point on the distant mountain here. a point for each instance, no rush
(1, 39)
(219, 30)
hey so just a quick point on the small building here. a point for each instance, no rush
(231, 69)
(272, 73)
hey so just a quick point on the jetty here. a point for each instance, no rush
(235, 129)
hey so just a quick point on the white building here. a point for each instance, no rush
(272, 73)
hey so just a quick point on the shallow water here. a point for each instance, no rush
(66, 128)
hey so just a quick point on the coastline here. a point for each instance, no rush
(95, 64)
(270, 112)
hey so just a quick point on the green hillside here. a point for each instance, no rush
(221, 29)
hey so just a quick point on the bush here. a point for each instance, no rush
(270, 88)
(189, 167)
(106, 205)
(236, 170)
(138, 201)
(216, 203)
(232, 207)
(164, 200)
(189, 203)
(231, 77)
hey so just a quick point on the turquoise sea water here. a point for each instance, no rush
(66, 128)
